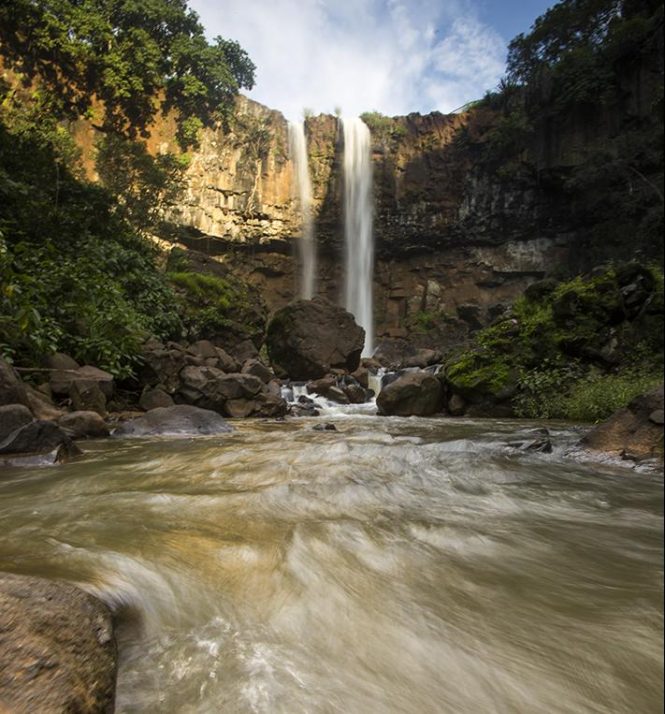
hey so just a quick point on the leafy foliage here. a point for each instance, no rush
(134, 56)
(576, 350)
(74, 275)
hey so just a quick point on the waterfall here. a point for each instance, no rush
(307, 247)
(358, 219)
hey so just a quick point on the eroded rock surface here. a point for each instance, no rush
(57, 649)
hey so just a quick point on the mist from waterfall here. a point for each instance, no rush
(358, 226)
(307, 246)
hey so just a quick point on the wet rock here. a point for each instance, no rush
(13, 417)
(180, 420)
(57, 648)
(154, 398)
(335, 394)
(413, 394)
(38, 437)
(657, 417)
(324, 427)
(308, 338)
(83, 425)
(258, 369)
(12, 389)
(542, 443)
(361, 375)
(87, 395)
(631, 430)
(355, 393)
(321, 386)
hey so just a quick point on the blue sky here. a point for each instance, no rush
(393, 56)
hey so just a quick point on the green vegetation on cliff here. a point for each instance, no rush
(572, 350)
(78, 272)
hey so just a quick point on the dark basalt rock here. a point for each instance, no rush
(12, 389)
(39, 437)
(83, 425)
(57, 648)
(309, 338)
(412, 394)
(180, 420)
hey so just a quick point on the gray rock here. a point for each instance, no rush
(13, 417)
(83, 425)
(38, 437)
(225, 362)
(12, 389)
(456, 405)
(657, 417)
(180, 420)
(58, 650)
(87, 395)
(308, 338)
(42, 405)
(210, 388)
(324, 427)
(154, 398)
(203, 349)
(61, 382)
(162, 366)
(258, 369)
(413, 394)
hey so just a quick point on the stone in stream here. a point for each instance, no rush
(308, 338)
(634, 431)
(413, 394)
(39, 437)
(180, 420)
(13, 417)
(57, 648)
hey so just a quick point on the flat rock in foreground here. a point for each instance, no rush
(180, 420)
(57, 648)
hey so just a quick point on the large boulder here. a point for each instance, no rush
(57, 648)
(210, 388)
(154, 398)
(635, 431)
(39, 437)
(181, 420)
(12, 389)
(308, 338)
(412, 394)
(87, 395)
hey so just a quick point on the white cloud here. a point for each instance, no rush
(394, 56)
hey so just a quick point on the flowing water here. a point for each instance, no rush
(393, 566)
(307, 245)
(358, 226)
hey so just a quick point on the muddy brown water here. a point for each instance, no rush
(396, 565)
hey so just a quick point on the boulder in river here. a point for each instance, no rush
(155, 397)
(57, 648)
(635, 431)
(39, 437)
(180, 420)
(413, 394)
(308, 338)
(13, 417)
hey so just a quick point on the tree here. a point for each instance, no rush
(136, 56)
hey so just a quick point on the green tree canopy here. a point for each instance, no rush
(134, 55)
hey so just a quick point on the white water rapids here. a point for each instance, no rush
(307, 244)
(394, 566)
(358, 226)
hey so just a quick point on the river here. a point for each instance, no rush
(392, 566)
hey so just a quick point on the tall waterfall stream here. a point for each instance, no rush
(407, 566)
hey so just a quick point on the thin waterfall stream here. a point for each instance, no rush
(358, 226)
(307, 245)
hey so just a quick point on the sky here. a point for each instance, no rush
(391, 56)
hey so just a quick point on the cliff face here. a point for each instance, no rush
(453, 243)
